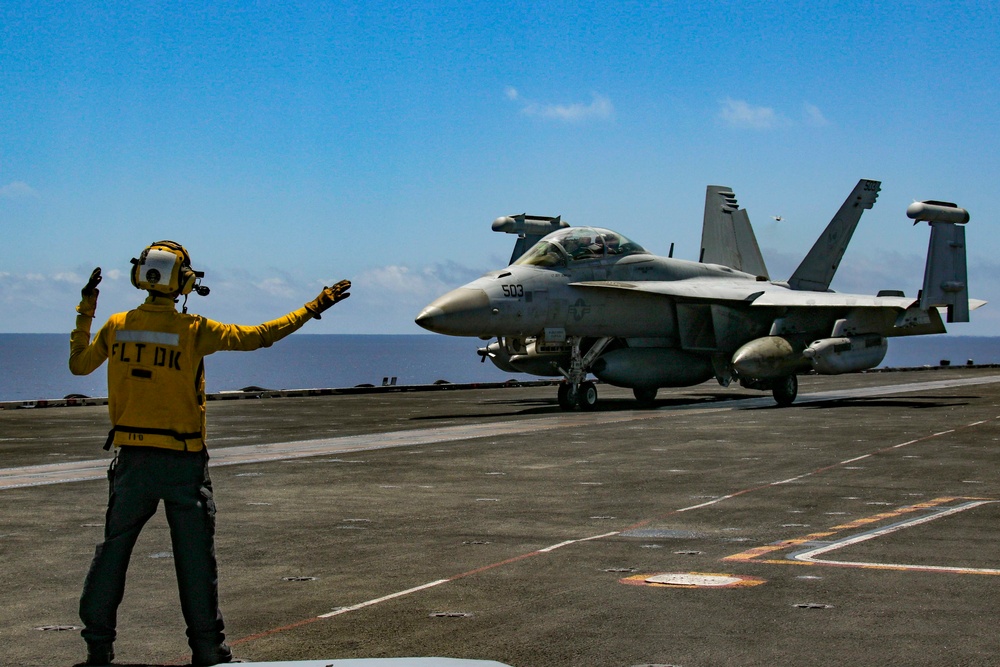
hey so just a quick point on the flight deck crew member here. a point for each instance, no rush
(156, 401)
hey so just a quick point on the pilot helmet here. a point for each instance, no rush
(165, 267)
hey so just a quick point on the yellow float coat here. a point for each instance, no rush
(156, 373)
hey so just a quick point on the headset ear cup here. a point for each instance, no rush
(186, 276)
(134, 273)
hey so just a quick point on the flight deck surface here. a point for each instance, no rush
(859, 526)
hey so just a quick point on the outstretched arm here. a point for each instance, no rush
(84, 357)
(216, 336)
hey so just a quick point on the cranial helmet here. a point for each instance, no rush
(165, 267)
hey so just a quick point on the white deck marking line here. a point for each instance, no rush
(791, 479)
(582, 539)
(423, 587)
(809, 556)
(565, 543)
(77, 471)
(384, 598)
(709, 503)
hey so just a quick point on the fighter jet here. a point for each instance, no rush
(577, 301)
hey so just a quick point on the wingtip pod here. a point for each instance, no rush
(522, 223)
(936, 211)
(529, 229)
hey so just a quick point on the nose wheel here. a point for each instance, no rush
(567, 396)
(586, 396)
(583, 396)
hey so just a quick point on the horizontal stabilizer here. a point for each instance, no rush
(818, 268)
(726, 235)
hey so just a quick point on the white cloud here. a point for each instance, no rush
(741, 114)
(68, 277)
(814, 116)
(599, 108)
(275, 286)
(429, 282)
(18, 190)
(44, 302)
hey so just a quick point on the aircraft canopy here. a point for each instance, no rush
(574, 244)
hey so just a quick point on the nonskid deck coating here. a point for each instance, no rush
(535, 576)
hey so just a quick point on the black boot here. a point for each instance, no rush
(214, 656)
(99, 655)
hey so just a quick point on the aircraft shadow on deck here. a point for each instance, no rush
(547, 406)
(918, 403)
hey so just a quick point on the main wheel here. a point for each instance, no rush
(567, 396)
(785, 390)
(646, 396)
(587, 396)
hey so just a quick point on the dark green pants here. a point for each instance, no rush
(140, 478)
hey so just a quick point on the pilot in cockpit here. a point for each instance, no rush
(585, 247)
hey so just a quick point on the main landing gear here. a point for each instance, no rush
(785, 390)
(646, 396)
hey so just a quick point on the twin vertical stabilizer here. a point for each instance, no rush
(726, 235)
(818, 268)
(946, 282)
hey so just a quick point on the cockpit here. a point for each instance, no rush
(574, 244)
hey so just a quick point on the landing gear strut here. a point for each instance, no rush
(577, 391)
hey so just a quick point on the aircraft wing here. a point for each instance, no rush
(757, 293)
(791, 298)
(710, 289)
(839, 300)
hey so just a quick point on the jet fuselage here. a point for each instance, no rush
(525, 300)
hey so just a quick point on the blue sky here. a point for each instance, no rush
(289, 145)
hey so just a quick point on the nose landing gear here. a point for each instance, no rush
(583, 396)
(577, 391)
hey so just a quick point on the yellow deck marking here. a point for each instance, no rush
(930, 511)
(692, 580)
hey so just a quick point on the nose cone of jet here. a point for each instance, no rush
(461, 312)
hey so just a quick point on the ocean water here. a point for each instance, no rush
(34, 366)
